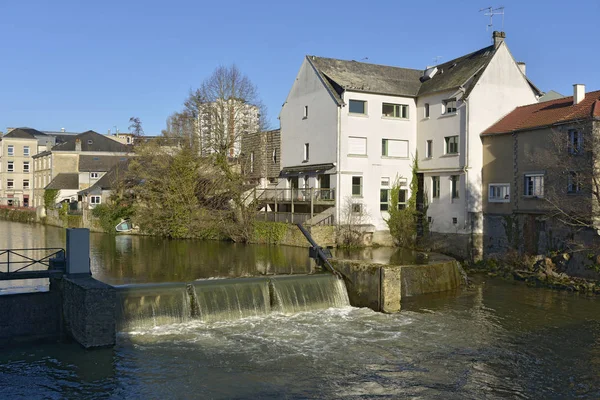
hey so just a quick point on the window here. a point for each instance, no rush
(305, 112)
(499, 193)
(394, 148)
(357, 186)
(357, 107)
(95, 200)
(435, 187)
(384, 199)
(451, 144)
(385, 181)
(90, 142)
(251, 162)
(10, 184)
(429, 149)
(575, 141)
(128, 140)
(357, 146)
(25, 166)
(449, 106)
(454, 181)
(402, 196)
(395, 110)
(26, 151)
(25, 183)
(11, 150)
(534, 185)
(454, 220)
(306, 152)
(426, 110)
(574, 182)
(94, 175)
(274, 156)
(356, 208)
(11, 166)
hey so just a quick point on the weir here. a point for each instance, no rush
(149, 305)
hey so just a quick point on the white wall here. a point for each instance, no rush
(319, 129)
(373, 166)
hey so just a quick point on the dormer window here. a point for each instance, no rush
(449, 106)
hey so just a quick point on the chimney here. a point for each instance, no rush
(8, 130)
(62, 129)
(578, 93)
(77, 144)
(48, 145)
(522, 67)
(498, 38)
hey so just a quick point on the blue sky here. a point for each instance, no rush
(91, 65)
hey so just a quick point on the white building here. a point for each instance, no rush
(355, 127)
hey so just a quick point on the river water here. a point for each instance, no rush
(493, 340)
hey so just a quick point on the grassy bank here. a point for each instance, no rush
(17, 215)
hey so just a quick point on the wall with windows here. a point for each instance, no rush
(309, 115)
(498, 169)
(378, 143)
(16, 171)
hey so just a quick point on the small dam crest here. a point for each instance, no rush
(145, 306)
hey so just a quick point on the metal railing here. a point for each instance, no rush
(295, 194)
(38, 263)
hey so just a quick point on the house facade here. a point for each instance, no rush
(261, 156)
(17, 148)
(538, 173)
(356, 127)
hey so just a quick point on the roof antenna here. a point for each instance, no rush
(364, 58)
(436, 60)
(491, 11)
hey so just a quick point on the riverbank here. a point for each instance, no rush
(536, 271)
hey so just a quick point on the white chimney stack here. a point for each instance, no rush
(523, 67)
(578, 93)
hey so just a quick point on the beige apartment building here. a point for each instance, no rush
(17, 148)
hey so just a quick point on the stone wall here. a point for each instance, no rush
(89, 311)
(460, 246)
(30, 316)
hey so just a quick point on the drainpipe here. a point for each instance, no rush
(338, 201)
(466, 165)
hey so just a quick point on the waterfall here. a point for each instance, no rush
(148, 305)
(293, 294)
(227, 299)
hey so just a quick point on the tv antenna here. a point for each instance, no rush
(491, 11)
(436, 60)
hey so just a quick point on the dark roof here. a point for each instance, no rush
(64, 181)
(89, 163)
(306, 168)
(24, 133)
(92, 141)
(340, 75)
(548, 113)
(458, 72)
(108, 180)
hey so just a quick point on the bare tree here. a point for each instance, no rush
(224, 107)
(135, 126)
(354, 216)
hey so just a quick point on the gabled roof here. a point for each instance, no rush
(540, 115)
(64, 181)
(340, 75)
(109, 179)
(92, 141)
(24, 133)
(550, 95)
(89, 163)
(462, 71)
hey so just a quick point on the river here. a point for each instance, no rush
(495, 339)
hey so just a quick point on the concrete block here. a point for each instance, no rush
(78, 251)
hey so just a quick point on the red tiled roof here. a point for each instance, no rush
(547, 113)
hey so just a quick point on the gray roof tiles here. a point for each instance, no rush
(92, 141)
(89, 163)
(64, 181)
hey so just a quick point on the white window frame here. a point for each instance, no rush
(94, 175)
(447, 144)
(358, 101)
(10, 183)
(435, 187)
(10, 150)
(573, 183)
(306, 152)
(449, 110)
(385, 148)
(499, 193)
(426, 110)
(534, 178)
(274, 156)
(399, 111)
(305, 115)
(251, 162)
(26, 151)
(26, 166)
(25, 183)
(454, 186)
(429, 148)
(95, 200)
(10, 166)
(359, 185)
(358, 154)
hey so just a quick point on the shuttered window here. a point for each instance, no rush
(357, 146)
(394, 148)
